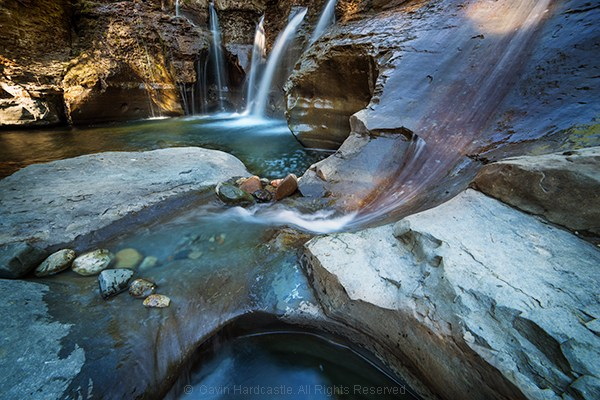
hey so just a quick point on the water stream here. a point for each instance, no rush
(326, 19)
(259, 54)
(259, 102)
(217, 57)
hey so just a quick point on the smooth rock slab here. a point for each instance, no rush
(473, 297)
(114, 281)
(74, 202)
(562, 187)
(93, 263)
(55, 263)
(35, 363)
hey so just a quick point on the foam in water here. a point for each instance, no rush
(259, 104)
(327, 18)
(322, 221)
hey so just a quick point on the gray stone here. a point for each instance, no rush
(34, 359)
(141, 288)
(55, 263)
(114, 281)
(562, 187)
(93, 263)
(475, 296)
(18, 259)
(231, 194)
(60, 204)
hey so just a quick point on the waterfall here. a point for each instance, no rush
(327, 18)
(259, 54)
(176, 8)
(217, 54)
(281, 44)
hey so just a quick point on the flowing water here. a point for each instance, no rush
(281, 44)
(217, 57)
(259, 54)
(327, 18)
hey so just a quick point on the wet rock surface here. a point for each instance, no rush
(88, 196)
(466, 80)
(55, 263)
(563, 187)
(114, 281)
(474, 296)
(233, 195)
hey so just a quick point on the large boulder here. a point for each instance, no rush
(477, 299)
(562, 187)
(74, 202)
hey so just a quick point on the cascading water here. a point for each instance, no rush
(259, 103)
(217, 56)
(259, 54)
(327, 18)
(177, 8)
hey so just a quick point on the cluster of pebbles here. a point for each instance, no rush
(115, 272)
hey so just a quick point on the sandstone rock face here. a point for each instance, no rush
(465, 80)
(36, 38)
(84, 199)
(333, 83)
(473, 297)
(563, 187)
(131, 59)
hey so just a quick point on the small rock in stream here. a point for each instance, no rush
(148, 263)
(93, 263)
(114, 281)
(55, 263)
(251, 184)
(286, 187)
(141, 288)
(231, 194)
(263, 196)
(157, 301)
(128, 258)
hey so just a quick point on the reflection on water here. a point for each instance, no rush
(290, 365)
(266, 147)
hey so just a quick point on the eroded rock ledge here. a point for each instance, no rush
(477, 299)
(78, 200)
